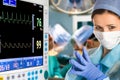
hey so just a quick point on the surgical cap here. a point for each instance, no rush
(60, 35)
(111, 5)
(82, 34)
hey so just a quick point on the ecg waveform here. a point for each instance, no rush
(16, 45)
(15, 17)
(21, 30)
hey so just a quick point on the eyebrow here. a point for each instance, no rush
(110, 25)
(106, 25)
(97, 25)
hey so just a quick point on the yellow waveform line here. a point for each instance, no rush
(16, 45)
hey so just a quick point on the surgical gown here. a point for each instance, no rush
(109, 65)
(54, 67)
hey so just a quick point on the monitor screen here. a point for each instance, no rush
(21, 34)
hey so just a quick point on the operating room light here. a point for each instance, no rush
(73, 6)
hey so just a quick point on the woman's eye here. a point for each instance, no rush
(98, 28)
(111, 27)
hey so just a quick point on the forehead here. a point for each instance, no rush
(106, 18)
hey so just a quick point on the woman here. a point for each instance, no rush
(104, 61)
(58, 39)
(54, 66)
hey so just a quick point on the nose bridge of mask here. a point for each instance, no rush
(108, 39)
(106, 35)
(103, 35)
(109, 35)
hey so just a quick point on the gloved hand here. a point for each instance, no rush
(82, 66)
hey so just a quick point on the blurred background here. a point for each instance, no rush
(71, 15)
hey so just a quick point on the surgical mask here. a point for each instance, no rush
(108, 39)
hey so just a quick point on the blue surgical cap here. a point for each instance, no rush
(111, 5)
(82, 34)
(60, 35)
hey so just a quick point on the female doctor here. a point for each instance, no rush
(104, 61)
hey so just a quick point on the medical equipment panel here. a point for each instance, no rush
(23, 39)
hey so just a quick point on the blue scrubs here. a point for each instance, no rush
(106, 64)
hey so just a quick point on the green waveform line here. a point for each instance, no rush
(19, 18)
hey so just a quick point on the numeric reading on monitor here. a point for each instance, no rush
(21, 30)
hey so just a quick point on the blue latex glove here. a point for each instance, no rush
(82, 66)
